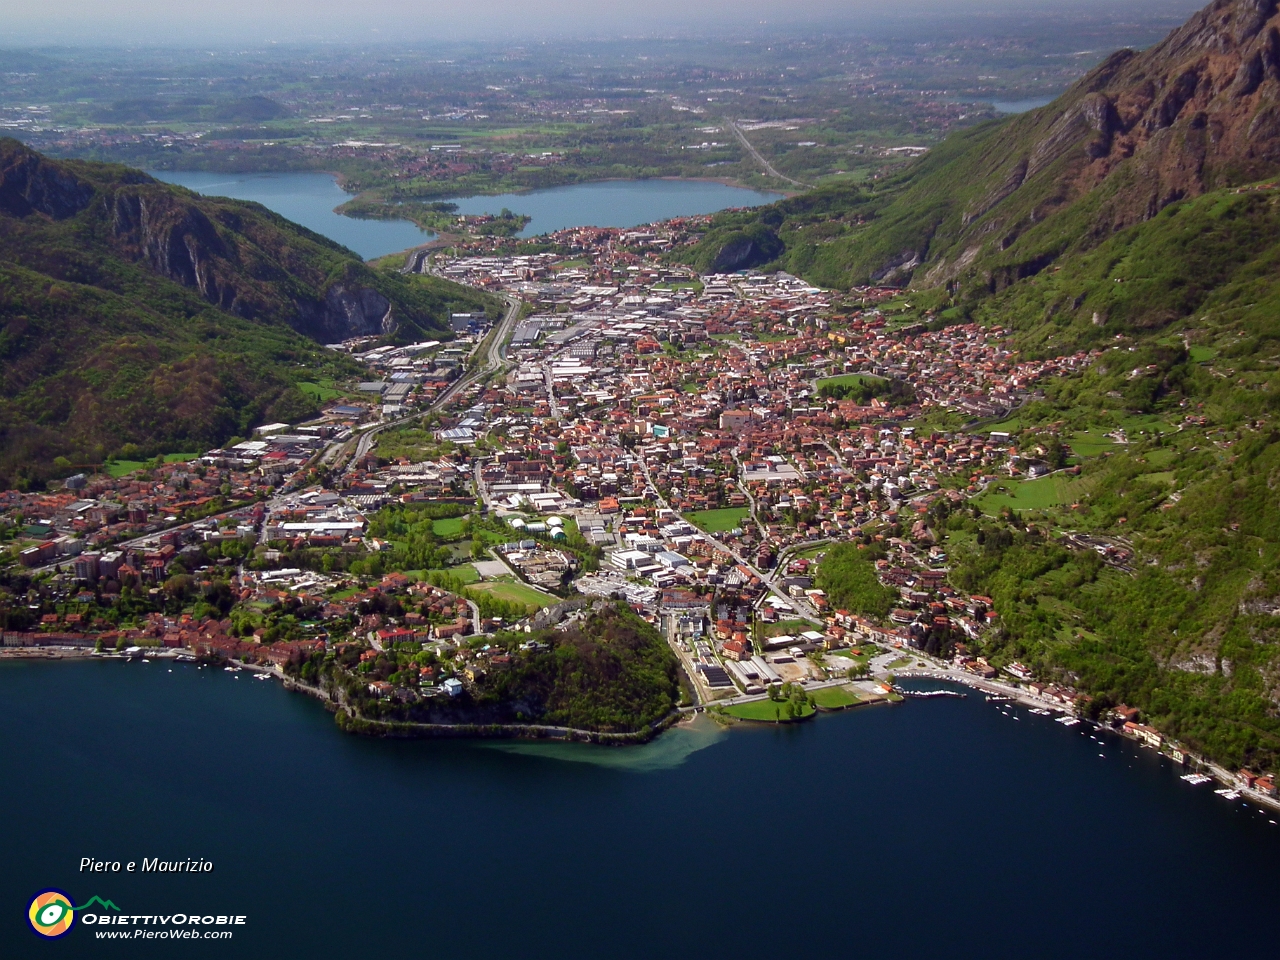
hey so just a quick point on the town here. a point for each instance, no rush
(705, 449)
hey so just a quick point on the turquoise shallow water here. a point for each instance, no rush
(310, 198)
(917, 830)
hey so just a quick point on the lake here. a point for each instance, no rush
(615, 203)
(929, 828)
(310, 198)
(1019, 106)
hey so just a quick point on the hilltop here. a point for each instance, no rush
(139, 312)
(1197, 112)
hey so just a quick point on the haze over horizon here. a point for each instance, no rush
(152, 22)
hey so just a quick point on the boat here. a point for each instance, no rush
(262, 676)
(1195, 779)
(1040, 711)
(1068, 721)
(1228, 793)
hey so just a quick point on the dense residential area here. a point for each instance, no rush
(758, 482)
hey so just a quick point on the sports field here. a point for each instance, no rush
(718, 521)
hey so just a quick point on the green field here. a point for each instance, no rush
(447, 527)
(120, 468)
(1090, 443)
(1039, 494)
(787, 626)
(717, 521)
(463, 571)
(1201, 354)
(320, 392)
(848, 380)
(834, 698)
(768, 711)
(512, 591)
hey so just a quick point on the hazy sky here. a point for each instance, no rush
(204, 22)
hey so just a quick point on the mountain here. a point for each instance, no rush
(1198, 112)
(133, 311)
(1137, 215)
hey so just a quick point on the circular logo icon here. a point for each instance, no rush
(51, 914)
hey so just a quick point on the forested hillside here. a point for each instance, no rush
(1139, 216)
(132, 311)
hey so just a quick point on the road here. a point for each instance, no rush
(494, 349)
(802, 606)
(755, 154)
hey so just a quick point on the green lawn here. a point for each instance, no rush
(512, 591)
(770, 711)
(120, 468)
(1201, 354)
(900, 662)
(787, 626)
(320, 392)
(848, 380)
(1012, 426)
(717, 521)
(1039, 494)
(833, 698)
(447, 527)
(1090, 443)
(463, 571)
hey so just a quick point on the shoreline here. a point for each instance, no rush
(409, 730)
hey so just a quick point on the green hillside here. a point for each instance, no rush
(1137, 216)
(136, 312)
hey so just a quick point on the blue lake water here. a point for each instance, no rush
(924, 829)
(615, 203)
(1019, 106)
(310, 199)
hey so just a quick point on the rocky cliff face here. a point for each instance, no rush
(344, 313)
(1196, 112)
(31, 184)
(1200, 109)
(239, 257)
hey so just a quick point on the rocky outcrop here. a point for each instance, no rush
(1198, 111)
(345, 313)
(176, 240)
(30, 184)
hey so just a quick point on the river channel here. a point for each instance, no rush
(929, 828)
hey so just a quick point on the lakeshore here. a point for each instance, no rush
(255, 777)
(884, 691)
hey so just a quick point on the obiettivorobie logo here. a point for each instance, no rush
(52, 914)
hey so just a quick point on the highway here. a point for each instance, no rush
(755, 154)
(494, 350)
